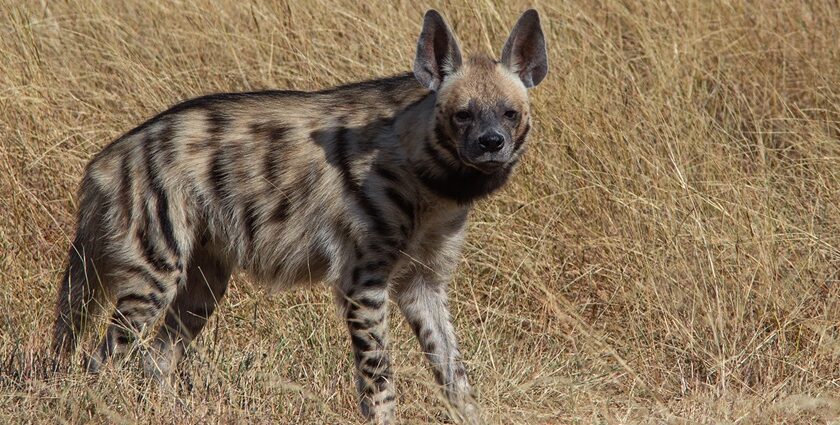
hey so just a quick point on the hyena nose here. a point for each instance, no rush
(491, 141)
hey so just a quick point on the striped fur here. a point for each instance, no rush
(365, 186)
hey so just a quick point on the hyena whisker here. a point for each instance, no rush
(365, 186)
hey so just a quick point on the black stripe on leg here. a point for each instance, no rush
(382, 379)
(359, 343)
(416, 326)
(385, 400)
(363, 324)
(156, 284)
(150, 299)
(377, 362)
(438, 375)
(148, 248)
(374, 283)
(426, 334)
(370, 303)
(379, 342)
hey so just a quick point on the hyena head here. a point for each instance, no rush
(482, 104)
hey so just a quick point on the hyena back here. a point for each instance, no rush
(365, 187)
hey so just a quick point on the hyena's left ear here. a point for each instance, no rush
(438, 53)
(524, 52)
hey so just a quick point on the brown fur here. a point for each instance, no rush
(365, 187)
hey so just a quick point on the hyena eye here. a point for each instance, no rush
(463, 115)
(511, 114)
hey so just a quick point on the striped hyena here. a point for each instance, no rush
(365, 186)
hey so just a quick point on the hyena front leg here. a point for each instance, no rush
(363, 296)
(207, 280)
(423, 302)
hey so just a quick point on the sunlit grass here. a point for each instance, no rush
(669, 250)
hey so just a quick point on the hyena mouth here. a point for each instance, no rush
(486, 167)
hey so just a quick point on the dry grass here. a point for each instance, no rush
(668, 252)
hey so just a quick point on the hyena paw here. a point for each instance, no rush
(471, 414)
(466, 410)
(158, 366)
(379, 414)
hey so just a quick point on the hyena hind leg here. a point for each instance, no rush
(207, 280)
(142, 296)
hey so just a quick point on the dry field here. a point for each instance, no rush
(668, 252)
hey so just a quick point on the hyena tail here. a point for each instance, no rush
(80, 292)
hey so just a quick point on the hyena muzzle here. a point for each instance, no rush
(365, 186)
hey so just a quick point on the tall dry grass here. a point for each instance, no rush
(668, 252)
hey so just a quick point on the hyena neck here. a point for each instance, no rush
(435, 161)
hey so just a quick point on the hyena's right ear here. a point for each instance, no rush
(438, 53)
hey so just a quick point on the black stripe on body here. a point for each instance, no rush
(149, 252)
(273, 135)
(219, 175)
(156, 186)
(281, 210)
(379, 226)
(126, 190)
(438, 159)
(217, 123)
(249, 220)
(166, 144)
(386, 173)
(401, 202)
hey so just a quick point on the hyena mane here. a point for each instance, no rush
(365, 187)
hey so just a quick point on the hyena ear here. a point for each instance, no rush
(438, 53)
(524, 52)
